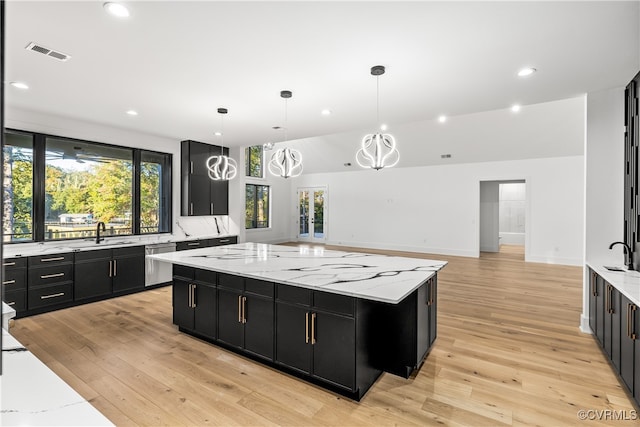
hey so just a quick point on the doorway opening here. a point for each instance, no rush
(312, 218)
(503, 207)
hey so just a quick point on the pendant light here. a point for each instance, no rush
(286, 162)
(378, 150)
(222, 168)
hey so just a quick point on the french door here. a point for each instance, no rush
(312, 223)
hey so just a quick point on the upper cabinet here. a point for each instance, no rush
(200, 195)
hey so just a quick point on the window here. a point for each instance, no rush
(86, 183)
(60, 188)
(17, 224)
(257, 206)
(253, 157)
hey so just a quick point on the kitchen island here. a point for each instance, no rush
(337, 319)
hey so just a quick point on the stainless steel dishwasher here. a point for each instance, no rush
(156, 271)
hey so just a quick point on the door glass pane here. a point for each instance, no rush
(17, 223)
(153, 194)
(318, 214)
(86, 183)
(304, 213)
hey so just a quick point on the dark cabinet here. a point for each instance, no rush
(49, 280)
(206, 243)
(195, 301)
(596, 307)
(315, 334)
(612, 324)
(200, 194)
(629, 347)
(14, 283)
(103, 272)
(245, 314)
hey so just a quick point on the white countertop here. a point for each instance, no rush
(627, 282)
(375, 277)
(31, 394)
(58, 247)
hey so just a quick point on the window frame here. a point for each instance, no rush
(255, 206)
(39, 189)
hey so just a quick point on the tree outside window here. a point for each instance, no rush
(253, 157)
(257, 206)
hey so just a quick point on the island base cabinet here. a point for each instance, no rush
(230, 317)
(258, 326)
(334, 355)
(182, 309)
(293, 337)
(194, 307)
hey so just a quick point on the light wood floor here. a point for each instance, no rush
(508, 352)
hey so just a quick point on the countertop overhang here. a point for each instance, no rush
(387, 279)
(626, 281)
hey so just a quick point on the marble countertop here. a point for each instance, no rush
(30, 249)
(31, 394)
(376, 277)
(627, 282)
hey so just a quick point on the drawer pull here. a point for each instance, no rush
(193, 244)
(11, 303)
(59, 294)
(224, 240)
(9, 282)
(313, 328)
(306, 328)
(59, 258)
(50, 276)
(8, 264)
(239, 308)
(632, 322)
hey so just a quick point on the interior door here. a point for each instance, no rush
(312, 219)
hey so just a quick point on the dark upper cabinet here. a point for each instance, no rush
(200, 194)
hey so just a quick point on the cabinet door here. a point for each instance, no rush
(627, 343)
(198, 155)
(92, 279)
(423, 313)
(599, 302)
(199, 195)
(433, 311)
(230, 326)
(220, 197)
(258, 329)
(205, 311)
(616, 329)
(128, 273)
(182, 311)
(334, 349)
(293, 341)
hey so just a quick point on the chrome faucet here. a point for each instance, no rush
(104, 228)
(627, 252)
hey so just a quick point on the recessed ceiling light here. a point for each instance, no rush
(515, 108)
(117, 9)
(19, 85)
(132, 112)
(326, 112)
(526, 72)
(218, 134)
(442, 119)
(383, 127)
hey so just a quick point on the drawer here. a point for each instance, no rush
(16, 300)
(50, 295)
(206, 276)
(259, 287)
(184, 272)
(230, 281)
(335, 303)
(51, 274)
(50, 259)
(93, 255)
(128, 251)
(194, 244)
(14, 279)
(11, 263)
(294, 294)
(219, 241)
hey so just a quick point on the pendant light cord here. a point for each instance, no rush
(285, 119)
(378, 101)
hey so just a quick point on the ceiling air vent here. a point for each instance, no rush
(445, 156)
(49, 52)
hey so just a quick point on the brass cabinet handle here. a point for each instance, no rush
(60, 258)
(190, 304)
(8, 282)
(594, 287)
(239, 308)
(193, 296)
(606, 299)
(632, 322)
(244, 309)
(224, 240)
(8, 264)
(191, 167)
(628, 320)
(191, 208)
(193, 244)
(211, 208)
(52, 295)
(313, 328)
(306, 328)
(115, 267)
(110, 268)
(50, 276)
(11, 303)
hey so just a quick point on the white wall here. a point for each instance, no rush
(435, 209)
(63, 126)
(604, 183)
(489, 216)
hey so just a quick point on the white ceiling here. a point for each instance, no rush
(176, 62)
